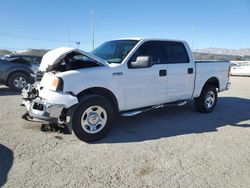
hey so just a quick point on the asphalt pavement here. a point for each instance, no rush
(169, 147)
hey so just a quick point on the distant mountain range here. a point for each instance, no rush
(38, 52)
(224, 51)
(199, 54)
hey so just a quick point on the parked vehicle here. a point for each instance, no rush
(240, 69)
(86, 91)
(16, 71)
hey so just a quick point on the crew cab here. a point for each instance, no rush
(85, 91)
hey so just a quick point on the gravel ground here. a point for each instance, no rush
(170, 147)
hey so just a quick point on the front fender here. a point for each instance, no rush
(14, 69)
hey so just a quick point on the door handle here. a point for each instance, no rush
(190, 70)
(162, 72)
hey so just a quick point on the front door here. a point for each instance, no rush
(146, 86)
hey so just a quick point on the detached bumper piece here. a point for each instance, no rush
(43, 110)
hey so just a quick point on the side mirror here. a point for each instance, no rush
(142, 62)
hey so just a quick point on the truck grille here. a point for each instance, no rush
(38, 106)
(39, 76)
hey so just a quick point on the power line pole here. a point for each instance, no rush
(93, 29)
(68, 36)
(192, 38)
(78, 44)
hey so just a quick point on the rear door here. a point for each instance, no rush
(180, 71)
(146, 86)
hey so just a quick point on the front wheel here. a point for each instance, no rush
(93, 118)
(17, 81)
(207, 100)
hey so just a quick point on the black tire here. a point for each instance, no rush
(86, 103)
(13, 76)
(200, 102)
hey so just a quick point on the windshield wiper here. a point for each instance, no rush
(115, 60)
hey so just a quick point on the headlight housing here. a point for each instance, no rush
(57, 84)
(52, 82)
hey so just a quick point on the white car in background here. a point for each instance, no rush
(240, 69)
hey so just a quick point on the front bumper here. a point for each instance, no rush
(43, 110)
(46, 105)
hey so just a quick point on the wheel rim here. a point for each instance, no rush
(94, 119)
(210, 99)
(20, 82)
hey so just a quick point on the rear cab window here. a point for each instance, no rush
(174, 52)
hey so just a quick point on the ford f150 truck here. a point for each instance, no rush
(85, 91)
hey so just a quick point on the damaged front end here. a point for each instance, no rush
(47, 100)
(47, 106)
(38, 108)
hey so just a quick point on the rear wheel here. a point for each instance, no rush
(18, 81)
(93, 118)
(207, 100)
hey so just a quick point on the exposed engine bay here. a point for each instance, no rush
(73, 61)
(65, 59)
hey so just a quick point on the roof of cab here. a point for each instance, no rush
(149, 39)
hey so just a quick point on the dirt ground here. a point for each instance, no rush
(170, 147)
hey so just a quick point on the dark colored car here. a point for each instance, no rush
(16, 71)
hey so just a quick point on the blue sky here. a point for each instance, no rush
(53, 23)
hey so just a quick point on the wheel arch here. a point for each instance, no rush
(104, 92)
(17, 71)
(213, 81)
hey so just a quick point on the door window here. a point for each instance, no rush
(36, 60)
(152, 49)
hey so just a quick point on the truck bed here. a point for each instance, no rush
(210, 69)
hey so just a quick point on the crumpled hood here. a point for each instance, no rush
(52, 57)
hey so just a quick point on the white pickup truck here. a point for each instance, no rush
(85, 91)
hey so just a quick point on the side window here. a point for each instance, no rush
(19, 60)
(175, 52)
(28, 59)
(151, 48)
(36, 60)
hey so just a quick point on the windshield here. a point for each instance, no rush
(114, 51)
